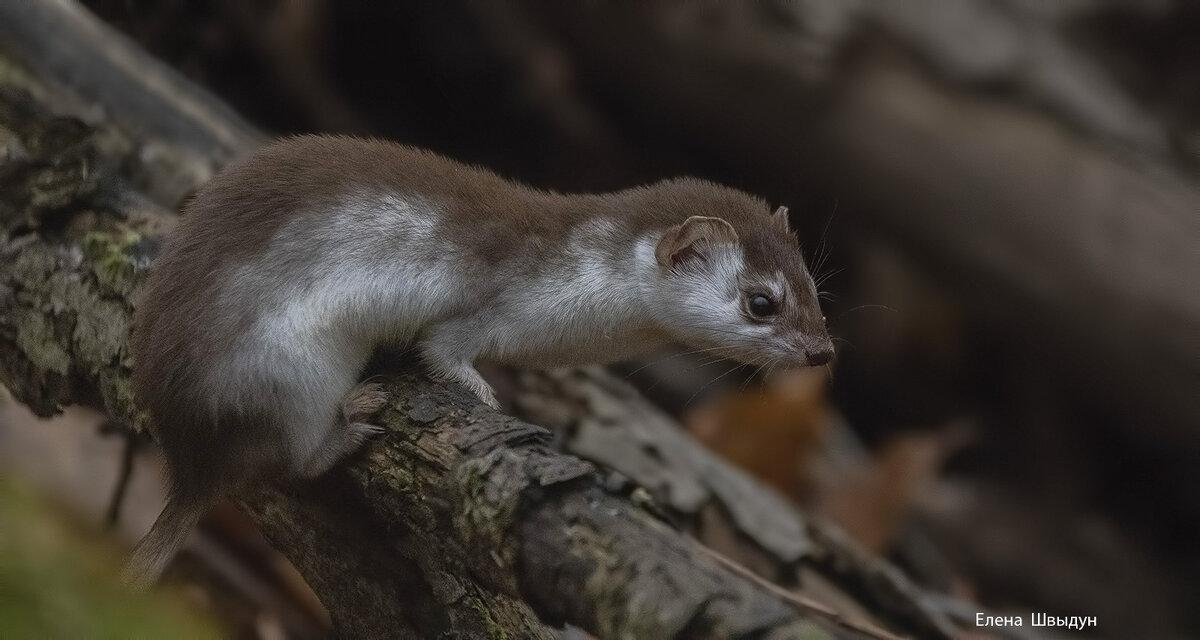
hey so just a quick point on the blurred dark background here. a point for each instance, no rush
(999, 198)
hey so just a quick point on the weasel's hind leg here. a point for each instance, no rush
(351, 431)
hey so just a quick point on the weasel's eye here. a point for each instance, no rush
(761, 305)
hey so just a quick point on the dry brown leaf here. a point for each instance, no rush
(774, 432)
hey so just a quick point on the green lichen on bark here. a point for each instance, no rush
(602, 585)
(37, 340)
(114, 259)
(116, 390)
(494, 630)
(68, 292)
(35, 329)
(492, 488)
(65, 324)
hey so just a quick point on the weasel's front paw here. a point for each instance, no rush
(364, 401)
(361, 432)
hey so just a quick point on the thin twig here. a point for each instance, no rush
(800, 601)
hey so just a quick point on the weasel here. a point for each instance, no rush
(290, 267)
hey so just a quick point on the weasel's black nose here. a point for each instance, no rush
(820, 356)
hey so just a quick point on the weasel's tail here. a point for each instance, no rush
(166, 537)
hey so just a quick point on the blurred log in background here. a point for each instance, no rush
(1002, 194)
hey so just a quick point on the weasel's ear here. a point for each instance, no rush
(692, 238)
(780, 220)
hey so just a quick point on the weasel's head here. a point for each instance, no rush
(742, 293)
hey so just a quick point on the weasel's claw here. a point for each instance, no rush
(364, 401)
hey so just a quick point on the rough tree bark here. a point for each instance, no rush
(460, 519)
